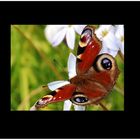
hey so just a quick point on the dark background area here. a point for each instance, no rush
(115, 124)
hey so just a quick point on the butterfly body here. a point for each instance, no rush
(95, 76)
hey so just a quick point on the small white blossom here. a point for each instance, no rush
(79, 108)
(110, 44)
(56, 34)
(120, 36)
(67, 105)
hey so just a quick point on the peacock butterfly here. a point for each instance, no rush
(91, 75)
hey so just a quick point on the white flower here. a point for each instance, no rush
(120, 36)
(106, 33)
(57, 84)
(56, 34)
(79, 108)
(67, 105)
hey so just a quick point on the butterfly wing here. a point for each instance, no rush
(97, 82)
(88, 49)
(104, 71)
(88, 94)
(60, 94)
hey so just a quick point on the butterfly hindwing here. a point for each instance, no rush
(104, 71)
(97, 82)
(88, 93)
(88, 49)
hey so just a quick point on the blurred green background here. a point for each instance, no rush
(34, 62)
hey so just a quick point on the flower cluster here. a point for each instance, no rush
(56, 34)
(112, 37)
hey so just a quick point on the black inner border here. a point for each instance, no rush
(112, 124)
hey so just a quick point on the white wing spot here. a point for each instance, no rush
(57, 90)
(82, 44)
(79, 56)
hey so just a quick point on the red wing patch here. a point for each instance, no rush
(94, 93)
(89, 48)
(59, 94)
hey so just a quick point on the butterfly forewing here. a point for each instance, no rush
(88, 49)
(60, 94)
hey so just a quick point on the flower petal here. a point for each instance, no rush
(71, 66)
(79, 28)
(120, 36)
(79, 108)
(108, 51)
(33, 108)
(111, 42)
(57, 84)
(102, 29)
(70, 37)
(67, 105)
(113, 53)
(119, 31)
(122, 48)
(58, 38)
(52, 30)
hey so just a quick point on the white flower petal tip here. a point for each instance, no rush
(103, 30)
(67, 105)
(57, 84)
(59, 37)
(79, 108)
(122, 48)
(108, 51)
(71, 66)
(120, 36)
(70, 37)
(111, 42)
(55, 33)
(119, 31)
(33, 108)
(79, 28)
(50, 31)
